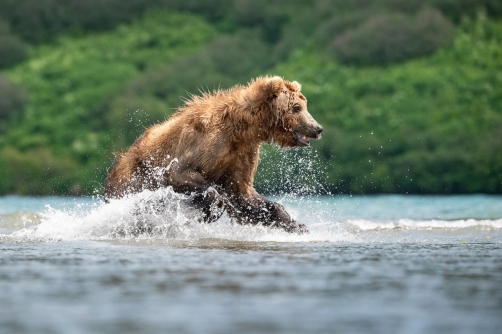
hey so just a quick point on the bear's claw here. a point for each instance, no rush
(298, 229)
(302, 229)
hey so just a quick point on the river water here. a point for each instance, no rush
(377, 264)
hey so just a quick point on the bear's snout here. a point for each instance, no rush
(313, 130)
(307, 128)
(318, 130)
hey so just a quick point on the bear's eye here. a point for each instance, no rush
(297, 108)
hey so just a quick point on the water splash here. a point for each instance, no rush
(159, 215)
(291, 173)
(162, 217)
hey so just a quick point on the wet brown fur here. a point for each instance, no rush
(214, 141)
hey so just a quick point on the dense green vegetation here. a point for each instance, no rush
(63, 126)
(408, 91)
(432, 125)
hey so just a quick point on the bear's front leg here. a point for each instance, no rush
(259, 210)
(284, 220)
(210, 202)
(203, 196)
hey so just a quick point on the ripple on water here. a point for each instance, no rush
(379, 265)
(141, 218)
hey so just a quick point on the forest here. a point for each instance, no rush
(409, 91)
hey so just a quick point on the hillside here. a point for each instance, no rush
(424, 118)
(63, 141)
(432, 125)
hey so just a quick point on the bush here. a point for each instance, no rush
(12, 100)
(42, 20)
(393, 38)
(339, 24)
(39, 21)
(297, 33)
(37, 172)
(240, 56)
(453, 9)
(270, 16)
(212, 10)
(457, 9)
(12, 49)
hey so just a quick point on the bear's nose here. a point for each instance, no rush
(319, 129)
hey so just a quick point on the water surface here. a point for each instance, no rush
(378, 264)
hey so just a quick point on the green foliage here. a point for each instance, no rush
(391, 38)
(458, 9)
(431, 125)
(12, 49)
(37, 172)
(427, 126)
(268, 15)
(12, 100)
(240, 55)
(69, 83)
(40, 21)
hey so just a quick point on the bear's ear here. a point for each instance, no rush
(274, 86)
(296, 85)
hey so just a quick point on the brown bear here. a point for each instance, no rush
(209, 149)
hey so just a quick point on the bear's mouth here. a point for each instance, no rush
(301, 139)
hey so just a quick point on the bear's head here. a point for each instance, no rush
(290, 122)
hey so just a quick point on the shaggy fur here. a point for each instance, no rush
(210, 149)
